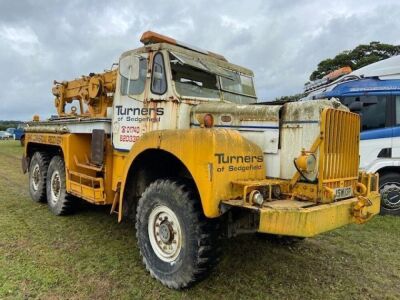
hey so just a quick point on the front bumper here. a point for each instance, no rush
(310, 221)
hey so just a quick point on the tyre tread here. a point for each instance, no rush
(387, 177)
(66, 205)
(208, 251)
(44, 161)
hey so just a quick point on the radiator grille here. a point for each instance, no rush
(339, 157)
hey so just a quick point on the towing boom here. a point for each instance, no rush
(94, 93)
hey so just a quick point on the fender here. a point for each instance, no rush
(378, 164)
(214, 158)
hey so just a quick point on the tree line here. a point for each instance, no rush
(9, 124)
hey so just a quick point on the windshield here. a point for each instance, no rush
(239, 88)
(191, 81)
(203, 79)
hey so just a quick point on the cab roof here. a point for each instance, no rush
(155, 42)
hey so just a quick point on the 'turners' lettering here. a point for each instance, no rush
(136, 111)
(229, 159)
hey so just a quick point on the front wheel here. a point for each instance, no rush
(176, 241)
(389, 185)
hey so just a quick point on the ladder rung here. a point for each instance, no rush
(87, 165)
(87, 177)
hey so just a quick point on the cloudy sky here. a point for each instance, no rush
(282, 41)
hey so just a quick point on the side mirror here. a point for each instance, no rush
(356, 106)
(129, 67)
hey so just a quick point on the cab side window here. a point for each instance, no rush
(372, 110)
(159, 80)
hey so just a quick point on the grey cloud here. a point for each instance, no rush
(282, 41)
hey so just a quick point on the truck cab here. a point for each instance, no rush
(159, 83)
(17, 133)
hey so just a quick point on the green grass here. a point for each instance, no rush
(89, 255)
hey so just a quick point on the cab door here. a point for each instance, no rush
(160, 100)
(396, 129)
(376, 128)
(129, 114)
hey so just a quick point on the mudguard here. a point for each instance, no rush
(381, 163)
(214, 158)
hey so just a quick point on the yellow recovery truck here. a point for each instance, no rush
(173, 138)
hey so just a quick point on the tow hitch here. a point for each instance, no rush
(360, 212)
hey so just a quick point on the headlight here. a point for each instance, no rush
(256, 198)
(306, 162)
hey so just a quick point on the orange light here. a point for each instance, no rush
(208, 121)
(150, 37)
(337, 73)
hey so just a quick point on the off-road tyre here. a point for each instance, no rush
(37, 176)
(389, 187)
(197, 236)
(280, 239)
(58, 201)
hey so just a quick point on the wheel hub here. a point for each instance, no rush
(55, 187)
(165, 233)
(391, 196)
(35, 177)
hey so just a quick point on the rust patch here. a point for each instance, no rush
(244, 112)
(309, 110)
(44, 138)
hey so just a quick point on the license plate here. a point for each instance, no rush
(344, 192)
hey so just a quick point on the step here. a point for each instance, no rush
(86, 187)
(87, 165)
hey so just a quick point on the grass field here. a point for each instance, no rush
(90, 256)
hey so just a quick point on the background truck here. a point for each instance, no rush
(374, 93)
(17, 133)
(171, 139)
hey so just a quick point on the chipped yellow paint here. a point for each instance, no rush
(80, 181)
(225, 167)
(310, 221)
(339, 151)
(201, 150)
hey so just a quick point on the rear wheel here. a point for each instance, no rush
(176, 241)
(37, 176)
(59, 202)
(390, 193)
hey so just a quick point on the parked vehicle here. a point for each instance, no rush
(4, 135)
(12, 132)
(171, 140)
(374, 93)
(17, 133)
